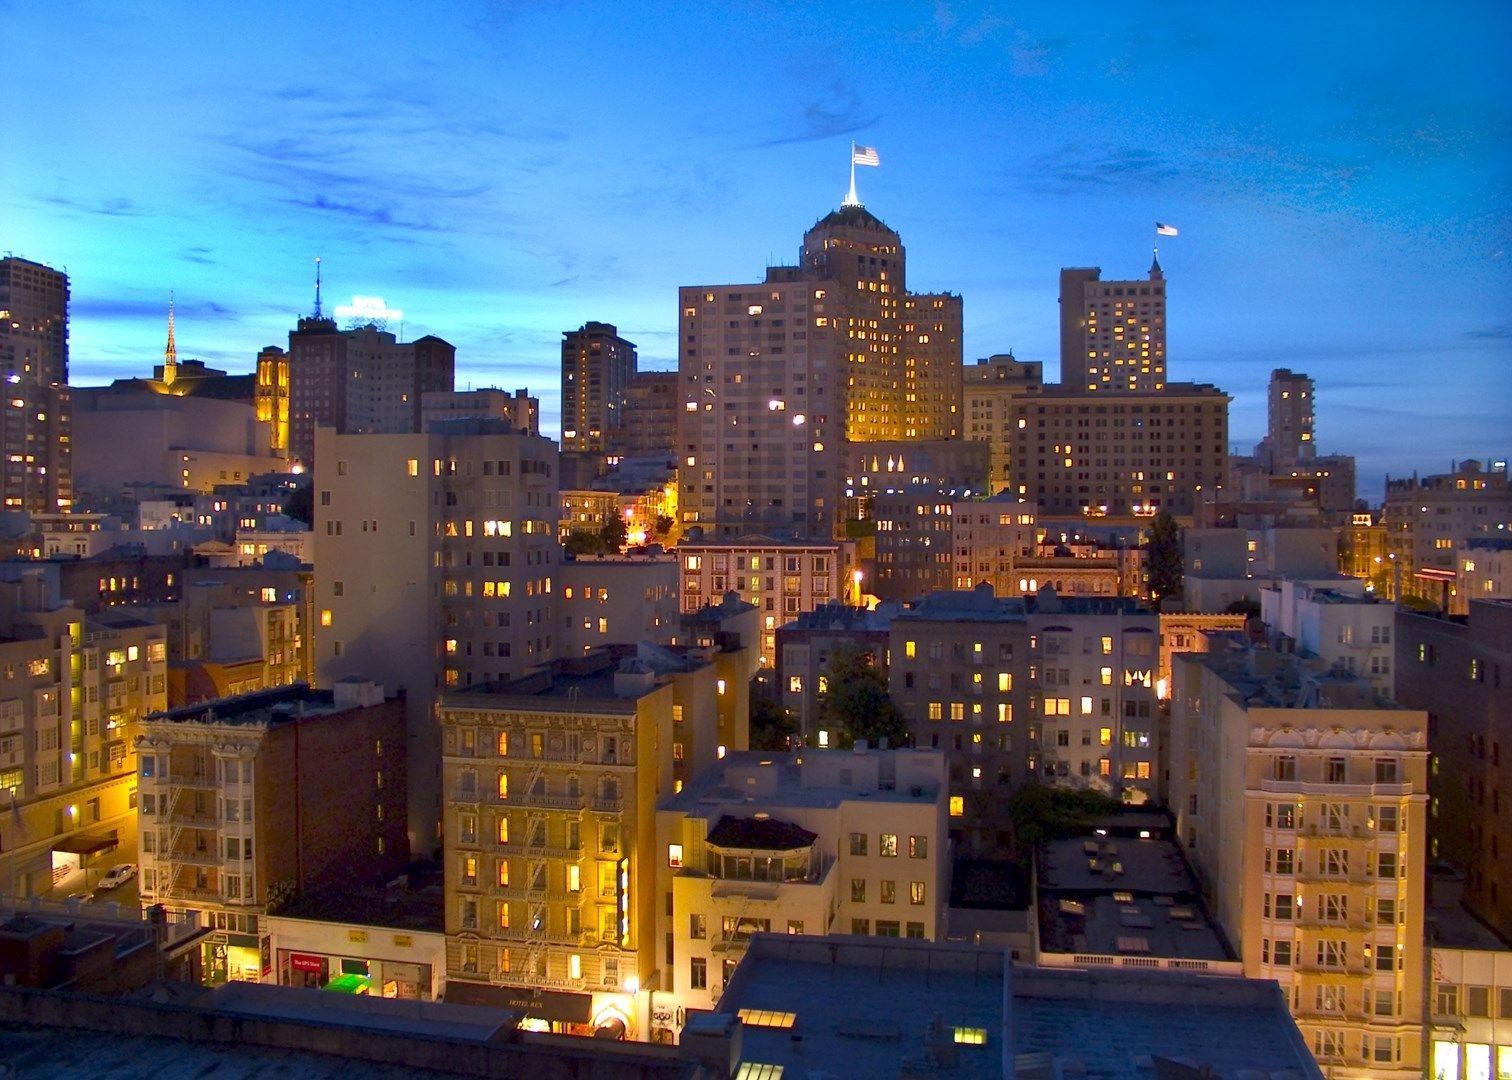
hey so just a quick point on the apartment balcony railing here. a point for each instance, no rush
(1323, 787)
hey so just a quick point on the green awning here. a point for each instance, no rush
(348, 984)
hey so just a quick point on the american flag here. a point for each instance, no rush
(864, 155)
(1165, 230)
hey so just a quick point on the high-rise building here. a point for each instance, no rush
(1301, 798)
(1289, 419)
(597, 368)
(650, 428)
(777, 376)
(1113, 333)
(358, 381)
(1085, 456)
(438, 553)
(990, 404)
(36, 423)
(1455, 670)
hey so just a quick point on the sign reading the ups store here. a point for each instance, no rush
(555, 1005)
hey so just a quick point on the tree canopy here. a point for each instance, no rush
(772, 726)
(1165, 556)
(854, 703)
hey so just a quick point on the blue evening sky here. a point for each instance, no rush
(504, 171)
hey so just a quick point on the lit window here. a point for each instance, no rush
(325, 617)
(971, 1036)
(675, 855)
(957, 805)
(766, 1018)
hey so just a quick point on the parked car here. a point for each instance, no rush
(117, 876)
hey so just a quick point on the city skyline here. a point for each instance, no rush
(493, 205)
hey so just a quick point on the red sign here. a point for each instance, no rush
(306, 962)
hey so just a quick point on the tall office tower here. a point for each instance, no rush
(777, 375)
(437, 553)
(1289, 420)
(990, 395)
(35, 424)
(931, 373)
(597, 366)
(651, 402)
(1113, 333)
(358, 381)
(1301, 798)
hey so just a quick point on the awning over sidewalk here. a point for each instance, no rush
(537, 1004)
(84, 844)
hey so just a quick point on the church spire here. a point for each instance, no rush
(170, 354)
(318, 315)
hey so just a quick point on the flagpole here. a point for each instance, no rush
(850, 199)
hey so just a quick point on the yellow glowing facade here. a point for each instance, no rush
(273, 395)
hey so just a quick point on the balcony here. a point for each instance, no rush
(603, 805)
(193, 781)
(208, 857)
(1342, 791)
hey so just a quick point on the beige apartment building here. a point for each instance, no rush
(551, 790)
(991, 397)
(439, 553)
(777, 376)
(821, 842)
(1485, 572)
(73, 690)
(1301, 799)
(616, 600)
(246, 802)
(1113, 333)
(783, 579)
(36, 423)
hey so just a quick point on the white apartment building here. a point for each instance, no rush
(817, 842)
(1341, 626)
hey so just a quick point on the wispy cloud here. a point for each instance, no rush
(835, 111)
(103, 207)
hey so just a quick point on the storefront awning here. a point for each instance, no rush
(83, 844)
(558, 1005)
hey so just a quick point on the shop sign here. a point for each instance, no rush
(306, 962)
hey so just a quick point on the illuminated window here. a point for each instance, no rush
(503, 830)
(325, 617)
(766, 1018)
(957, 805)
(909, 649)
(971, 1036)
(675, 855)
(1005, 681)
(503, 785)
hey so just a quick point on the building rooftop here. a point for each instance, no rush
(281, 705)
(1450, 924)
(1123, 896)
(981, 604)
(777, 779)
(1266, 679)
(612, 678)
(833, 615)
(760, 833)
(869, 1007)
